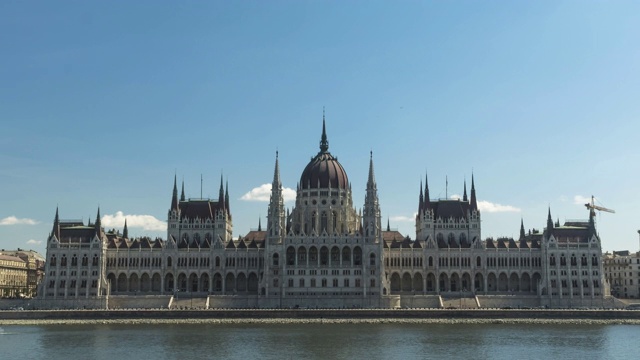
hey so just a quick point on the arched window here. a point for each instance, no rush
(313, 221)
(335, 221)
(276, 259)
(217, 261)
(74, 260)
(552, 260)
(291, 256)
(169, 261)
(94, 261)
(63, 261)
(372, 259)
(53, 260)
(478, 261)
(324, 221)
(85, 260)
(430, 261)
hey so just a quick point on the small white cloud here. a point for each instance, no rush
(12, 220)
(455, 197)
(34, 242)
(402, 218)
(263, 193)
(493, 207)
(581, 200)
(145, 222)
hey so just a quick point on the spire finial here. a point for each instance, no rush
(464, 197)
(324, 143)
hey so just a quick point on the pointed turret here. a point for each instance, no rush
(372, 179)
(388, 226)
(276, 174)
(221, 193)
(226, 197)
(182, 198)
(125, 231)
(464, 197)
(259, 224)
(174, 198)
(474, 202)
(324, 143)
(549, 221)
(98, 223)
(592, 223)
(522, 234)
(276, 220)
(427, 201)
(56, 226)
(371, 214)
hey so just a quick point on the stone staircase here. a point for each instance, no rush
(189, 303)
(459, 303)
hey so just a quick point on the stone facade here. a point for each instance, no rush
(622, 270)
(324, 252)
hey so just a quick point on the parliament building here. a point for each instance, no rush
(323, 253)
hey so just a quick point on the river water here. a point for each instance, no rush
(319, 341)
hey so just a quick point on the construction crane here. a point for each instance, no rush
(592, 206)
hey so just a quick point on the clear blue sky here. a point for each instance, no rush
(101, 103)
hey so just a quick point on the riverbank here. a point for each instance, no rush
(280, 321)
(315, 316)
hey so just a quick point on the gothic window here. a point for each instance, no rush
(324, 225)
(594, 262)
(53, 260)
(324, 256)
(563, 260)
(63, 261)
(313, 221)
(552, 260)
(335, 283)
(583, 261)
(372, 259)
(357, 256)
(291, 256)
(478, 261)
(373, 283)
(335, 221)
(275, 282)
(169, 261)
(85, 260)
(335, 255)
(313, 254)
(301, 283)
(324, 282)
(218, 261)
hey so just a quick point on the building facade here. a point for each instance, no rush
(325, 252)
(622, 271)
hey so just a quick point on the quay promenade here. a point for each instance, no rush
(320, 316)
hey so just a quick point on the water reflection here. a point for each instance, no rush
(319, 341)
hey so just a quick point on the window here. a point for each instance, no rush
(335, 282)
(372, 259)
(301, 283)
(275, 259)
(324, 282)
(290, 282)
(372, 283)
(346, 282)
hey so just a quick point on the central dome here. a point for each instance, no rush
(324, 171)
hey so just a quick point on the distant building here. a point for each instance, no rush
(21, 271)
(622, 270)
(325, 252)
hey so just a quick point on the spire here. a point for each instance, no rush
(522, 235)
(388, 227)
(226, 197)
(464, 197)
(549, 221)
(259, 224)
(221, 194)
(372, 179)
(174, 198)
(125, 231)
(56, 225)
(324, 143)
(592, 222)
(427, 201)
(474, 203)
(182, 193)
(276, 174)
(98, 224)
